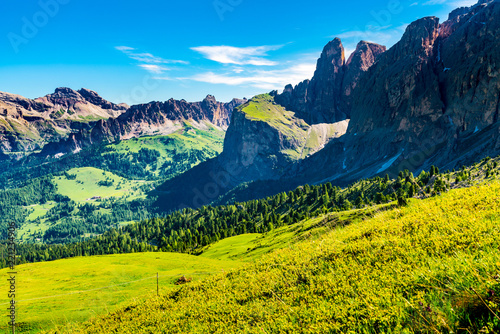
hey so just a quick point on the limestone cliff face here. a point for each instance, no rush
(262, 149)
(326, 98)
(399, 98)
(265, 139)
(360, 61)
(433, 98)
(469, 69)
(435, 88)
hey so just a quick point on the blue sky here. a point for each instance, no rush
(140, 51)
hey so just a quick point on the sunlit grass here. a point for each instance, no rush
(406, 270)
(54, 293)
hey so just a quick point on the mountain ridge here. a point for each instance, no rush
(67, 120)
(404, 106)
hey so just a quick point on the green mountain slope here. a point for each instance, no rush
(100, 284)
(190, 230)
(66, 291)
(263, 141)
(118, 173)
(408, 270)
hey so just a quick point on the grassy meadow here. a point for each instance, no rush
(64, 291)
(86, 185)
(430, 267)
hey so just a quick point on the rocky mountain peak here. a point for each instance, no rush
(365, 55)
(333, 53)
(210, 98)
(94, 98)
(326, 97)
(360, 61)
(419, 36)
(67, 93)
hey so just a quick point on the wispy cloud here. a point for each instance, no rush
(156, 69)
(387, 36)
(453, 4)
(254, 55)
(147, 61)
(236, 66)
(463, 3)
(263, 79)
(433, 2)
(124, 48)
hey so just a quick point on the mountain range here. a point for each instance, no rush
(67, 120)
(431, 99)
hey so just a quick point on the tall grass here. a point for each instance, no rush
(431, 267)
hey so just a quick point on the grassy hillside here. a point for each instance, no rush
(119, 173)
(54, 293)
(308, 139)
(89, 182)
(168, 155)
(84, 193)
(250, 247)
(433, 266)
(79, 288)
(263, 108)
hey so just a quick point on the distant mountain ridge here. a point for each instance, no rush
(27, 125)
(68, 120)
(154, 118)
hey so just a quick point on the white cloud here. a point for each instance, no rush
(263, 79)
(163, 78)
(463, 3)
(453, 4)
(149, 58)
(124, 48)
(238, 56)
(368, 35)
(384, 35)
(147, 61)
(347, 52)
(434, 2)
(155, 69)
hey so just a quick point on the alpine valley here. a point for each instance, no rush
(363, 200)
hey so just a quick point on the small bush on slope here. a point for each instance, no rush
(406, 270)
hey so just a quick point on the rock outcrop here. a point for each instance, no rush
(84, 103)
(433, 98)
(326, 98)
(360, 61)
